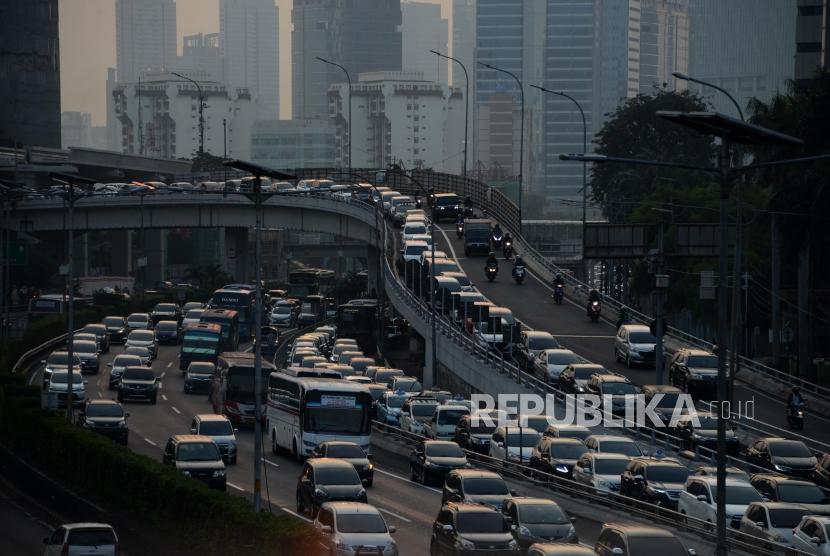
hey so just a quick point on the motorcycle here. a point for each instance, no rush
(519, 274)
(459, 229)
(417, 202)
(795, 415)
(490, 271)
(508, 249)
(558, 294)
(468, 211)
(594, 309)
(496, 238)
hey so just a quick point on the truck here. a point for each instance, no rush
(477, 236)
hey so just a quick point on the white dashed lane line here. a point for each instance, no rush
(150, 442)
(163, 397)
(237, 487)
(174, 408)
(393, 514)
(271, 463)
(170, 364)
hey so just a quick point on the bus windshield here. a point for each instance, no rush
(336, 412)
(200, 341)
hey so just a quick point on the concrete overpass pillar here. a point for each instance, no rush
(81, 254)
(156, 253)
(426, 345)
(122, 263)
(236, 253)
(373, 259)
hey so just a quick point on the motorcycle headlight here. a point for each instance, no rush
(218, 473)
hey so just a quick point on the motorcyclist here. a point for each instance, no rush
(497, 230)
(468, 202)
(558, 281)
(518, 262)
(794, 398)
(623, 318)
(492, 261)
(593, 296)
(459, 219)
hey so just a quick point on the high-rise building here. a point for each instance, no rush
(145, 32)
(249, 39)
(292, 144)
(664, 44)
(812, 36)
(361, 35)
(399, 117)
(423, 30)
(203, 53)
(160, 118)
(113, 125)
(616, 54)
(748, 47)
(30, 111)
(463, 39)
(77, 131)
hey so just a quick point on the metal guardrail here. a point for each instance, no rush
(631, 506)
(25, 360)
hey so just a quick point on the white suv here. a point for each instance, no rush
(98, 539)
(697, 499)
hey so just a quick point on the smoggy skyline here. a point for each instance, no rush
(87, 47)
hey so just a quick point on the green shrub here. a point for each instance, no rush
(204, 520)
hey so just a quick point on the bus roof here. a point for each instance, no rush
(234, 290)
(316, 383)
(209, 326)
(229, 313)
(242, 359)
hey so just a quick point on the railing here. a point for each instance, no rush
(580, 492)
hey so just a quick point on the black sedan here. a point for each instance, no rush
(167, 332)
(557, 456)
(350, 452)
(431, 460)
(106, 417)
(327, 480)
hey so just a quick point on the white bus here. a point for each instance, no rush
(305, 411)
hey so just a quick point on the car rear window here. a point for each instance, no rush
(543, 342)
(91, 537)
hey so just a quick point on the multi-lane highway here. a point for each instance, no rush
(532, 303)
(409, 506)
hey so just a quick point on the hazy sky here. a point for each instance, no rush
(87, 45)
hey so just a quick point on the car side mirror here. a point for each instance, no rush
(572, 519)
(639, 478)
(109, 364)
(692, 552)
(447, 527)
(127, 414)
(86, 382)
(392, 529)
(192, 430)
(513, 493)
(326, 529)
(702, 498)
(587, 470)
(235, 431)
(760, 524)
(617, 550)
(500, 444)
(513, 527)
(43, 362)
(816, 540)
(158, 379)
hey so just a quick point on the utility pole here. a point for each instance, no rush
(201, 110)
(140, 121)
(775, 282)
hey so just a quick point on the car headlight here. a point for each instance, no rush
(782, 468)
(218, 473)
(562, 468)
(371, 466)
(88, 424)
(525, 531)
(362, 493)
(657, 490)
(122, 424)
(571, 536)
(580, 389)
(319, 492)
(427, 463)
(232, 409)
(467, 545)
(513, 545)
(186, 472)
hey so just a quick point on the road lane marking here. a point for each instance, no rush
(174, 408)
(271, 463)
(393, 514)
(162, 374)
(100, 395)
(237, 487)
(588, 336)
(407, 481)
(295, 514)
(150, 442)
(160, 385)
(163, 397)
(170, 364)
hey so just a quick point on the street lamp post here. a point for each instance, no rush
(467, 107)
(349, 80)
(736, 266)
(521, 133)
(201, 111)
(258, 172)
(71, 181)
(584, 164)
(730, 131)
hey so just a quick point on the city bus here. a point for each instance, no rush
(358, 319)
(309, 281)
(305, 411)
(200, 342)
(228, 321)
(54, 304)
(235, 373)
(241, 301)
